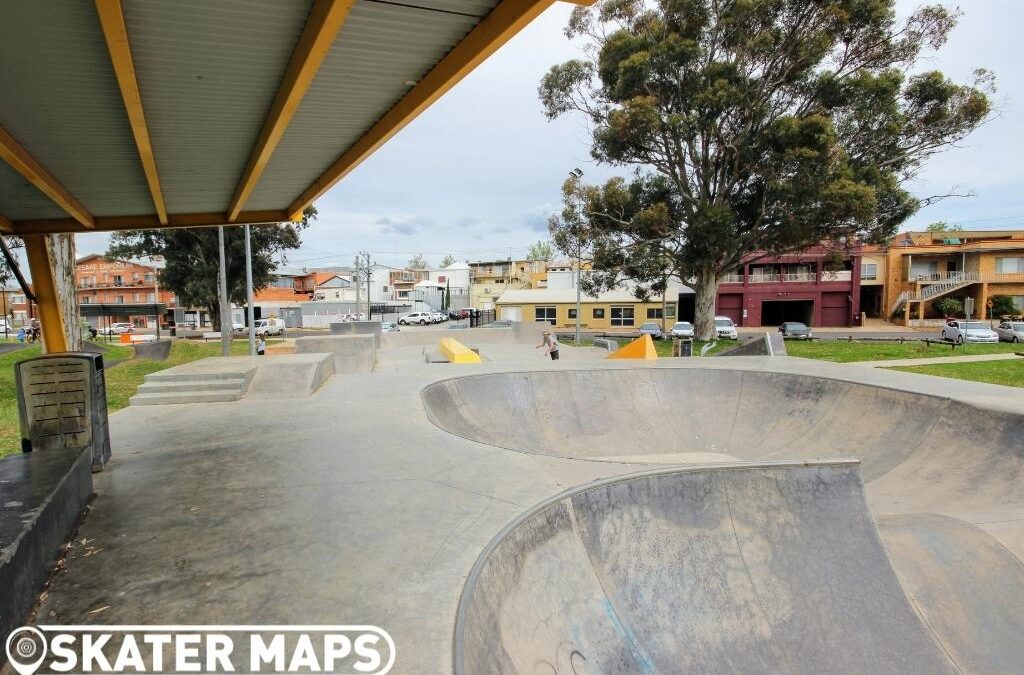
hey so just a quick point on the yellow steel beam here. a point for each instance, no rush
(6, 226)
(14, 154)
(325, 20)
(147, 222)
(116, 35)
(497, 28)
(45, 289)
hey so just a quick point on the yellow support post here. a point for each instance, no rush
(45, 289)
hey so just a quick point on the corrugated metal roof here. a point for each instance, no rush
(21, 199)
(380, 48)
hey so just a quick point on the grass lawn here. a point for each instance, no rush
(662, 347)
(1010, 373)
(844, 352)
(122, 378)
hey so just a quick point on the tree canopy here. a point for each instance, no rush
(417, 262)
(192, 259)
(541, 250)
(447, 260)
(751, 126)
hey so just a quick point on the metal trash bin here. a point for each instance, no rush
(682, 347)
(62, 404)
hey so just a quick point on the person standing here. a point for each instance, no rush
(550, 344)
(261, 346)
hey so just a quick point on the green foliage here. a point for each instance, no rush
(949, 306)
(417, 262)
(541, 250)
(449, 259)
(751, 126)
(939, 226)
(192, 258)
(1002, 305)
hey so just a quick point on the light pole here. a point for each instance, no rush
(250, 313)
(577, 173)
(225, 305)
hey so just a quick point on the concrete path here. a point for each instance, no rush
(969, 358)
(372, 501)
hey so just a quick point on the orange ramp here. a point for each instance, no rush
(640, 348)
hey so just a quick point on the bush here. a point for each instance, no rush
(949, 307)
(1002, 305)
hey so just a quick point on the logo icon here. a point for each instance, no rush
(26, 649)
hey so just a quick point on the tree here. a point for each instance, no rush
(1002, 305)
(949, 307)
(417, 262)
(754, 127)
(192, 259)
(449, 259)
(542, 250)
(939, 226)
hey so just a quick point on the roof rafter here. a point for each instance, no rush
(116, 35)
(325, 20)
(497, 28)
(145, 222)
(6, 226)
(21, 161)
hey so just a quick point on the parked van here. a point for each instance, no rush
(266, 327)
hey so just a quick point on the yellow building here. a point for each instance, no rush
(488, 280)
(924, 267)
(872, 281)
(612, 311)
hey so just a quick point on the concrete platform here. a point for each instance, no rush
(351, 506)
(352, 353)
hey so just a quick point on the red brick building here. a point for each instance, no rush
(100, 280)
(817, 286)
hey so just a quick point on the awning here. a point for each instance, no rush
(178, 113)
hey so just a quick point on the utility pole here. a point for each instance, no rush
(225, 305)
(369, 276)
(356, 278)
(249, 296)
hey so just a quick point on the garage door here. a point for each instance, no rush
(731, 305)
(512, 313)
(835, 309)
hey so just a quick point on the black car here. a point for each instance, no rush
(795, 329)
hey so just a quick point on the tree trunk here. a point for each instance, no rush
(61, 248)
(706, 288)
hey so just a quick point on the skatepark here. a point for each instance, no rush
(732, 515)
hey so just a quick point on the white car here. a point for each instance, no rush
(439, 317)
(959, 330)
(5, 327)
(265, 327)
(1011, 331)
(388, 327)
(422, 318)
(118, 329)
(725, 328)
(682, 329)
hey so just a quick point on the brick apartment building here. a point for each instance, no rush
(101, 280)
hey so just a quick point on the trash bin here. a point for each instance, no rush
(62, 404)
(686, 347)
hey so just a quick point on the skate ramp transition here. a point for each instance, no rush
(771, 564)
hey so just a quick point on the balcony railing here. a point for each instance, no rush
(838, 275)
(799, 276)
(788, 277)
(732, 279)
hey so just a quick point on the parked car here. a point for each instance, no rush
(682, 329)
(265, 327)
(439, 317)
(118, 329)
(959, 330)
(651, 328)
(795, 329)
(238, 327)
(455, 314)
(389, 327)
(422, 318)
(5, 327)
(1011, 331)
(725, 328)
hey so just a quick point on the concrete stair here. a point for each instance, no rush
(167, 387)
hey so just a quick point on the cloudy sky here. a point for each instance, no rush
(478, 174)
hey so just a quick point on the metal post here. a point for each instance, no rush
(225, 305)
(249, 311)
(359, 305)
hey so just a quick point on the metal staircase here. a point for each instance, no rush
(936, 289)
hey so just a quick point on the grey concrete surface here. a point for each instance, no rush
(358, 328)
(766, 344)
(290, 375)
(351, 506)
(352, 353)
(699, 570)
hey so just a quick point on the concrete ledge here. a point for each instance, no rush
(352, 353)
(358, 328)
(456, 352)
(157, 350)
(42, 495)
(291, 375)
(606, 343)
(769, 344)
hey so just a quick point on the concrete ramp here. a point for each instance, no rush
(291, 375)
(728, 570)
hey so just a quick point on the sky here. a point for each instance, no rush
(478, 174)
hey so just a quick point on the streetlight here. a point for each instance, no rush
(577, 173)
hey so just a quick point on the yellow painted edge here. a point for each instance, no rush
(322, 26)
(21, 161)
(43, 287)
(116, 35)
(6, 225)
(456, 352)
(497, 28)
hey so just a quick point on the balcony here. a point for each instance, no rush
(838, 275)
(732, 279)
(759, 277)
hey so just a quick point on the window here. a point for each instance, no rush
(149, 277)
(670, 310)
(544, 314)
(442, 279)
(599, 312)
(384, 289)
(572, 313)
(869, 271)
(1009, 265)
(86, 300)
(118, 280)
(622, 316)
(654, 313)
(138, 297)
(151, 297)
(119, 298)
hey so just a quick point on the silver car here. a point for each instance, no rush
(1011, 331)
(958, 330)
(651, 328)
(682, 329)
